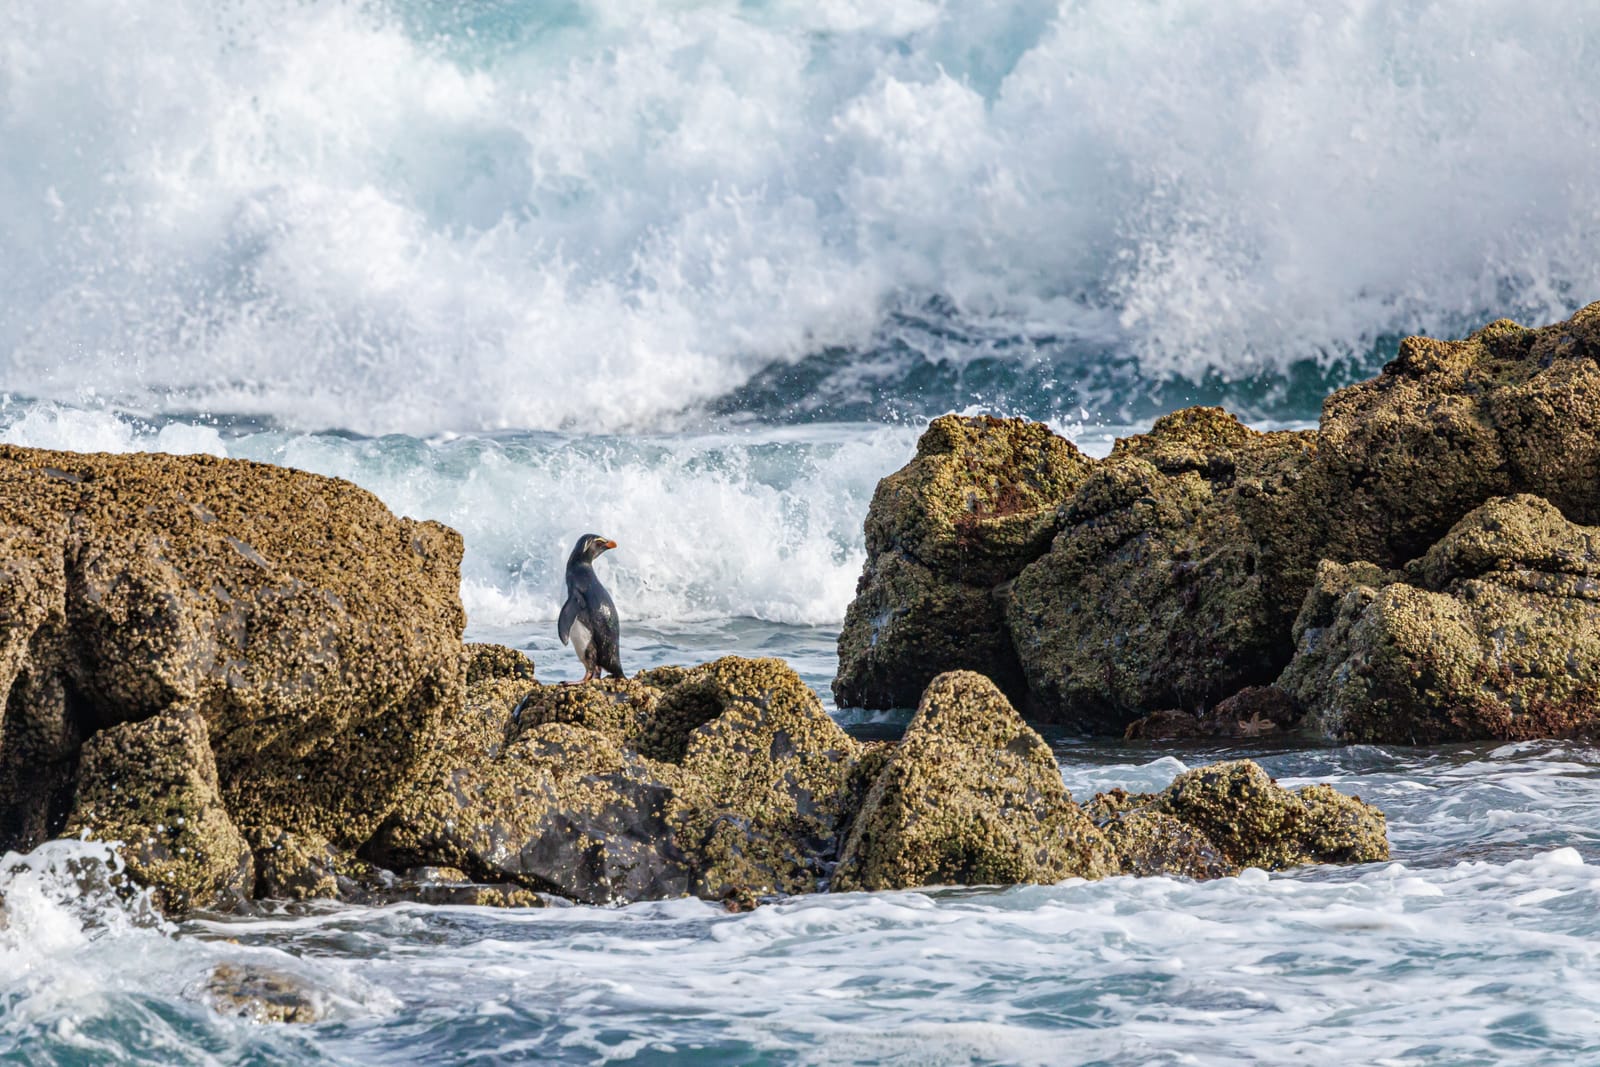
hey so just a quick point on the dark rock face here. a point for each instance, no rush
(1493, 633)
(317, 636)
(971, 796)
(976, 504)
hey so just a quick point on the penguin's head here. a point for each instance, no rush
(590, 546)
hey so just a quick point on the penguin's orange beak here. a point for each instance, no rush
(608, 544)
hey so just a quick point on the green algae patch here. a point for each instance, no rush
(971, 796)
(153, 786)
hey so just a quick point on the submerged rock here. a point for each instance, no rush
(976, 504)
(1493, 633)
(971, 796)
(264, 995)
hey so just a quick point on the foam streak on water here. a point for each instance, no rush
(407, 216)
(1470, 948)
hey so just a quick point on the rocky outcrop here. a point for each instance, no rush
(971, 796)
(730, 779)
(1163, 588)
(977, 503)
(1493, 633)
(316, 636)
(1215, 820)
(1167, 602)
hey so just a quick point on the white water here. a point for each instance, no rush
(1478, 945)
(399, 216)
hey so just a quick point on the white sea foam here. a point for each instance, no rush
(764, 524)
(393, 216)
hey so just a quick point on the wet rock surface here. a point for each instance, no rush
(316, 635)
(1493, 633)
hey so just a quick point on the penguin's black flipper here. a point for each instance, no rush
(569, 612)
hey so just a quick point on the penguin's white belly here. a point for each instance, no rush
(582, 640)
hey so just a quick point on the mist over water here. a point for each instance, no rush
(594, 216)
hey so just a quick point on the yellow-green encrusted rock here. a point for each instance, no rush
(1257, 823)
(1493, 633)
(152, 785)
(317, 635)
(971, 796)
(766, 791)
(1162, 589)
(977, 503)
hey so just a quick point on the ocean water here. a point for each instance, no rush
(694, 275)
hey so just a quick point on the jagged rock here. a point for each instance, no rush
(970, 796)
(152, 785)
(486, 661)
(1449, 424)
(976, 504)
(560, 808)
(765, 794)
(1491, 634)
(1162, 589)
(317, 635)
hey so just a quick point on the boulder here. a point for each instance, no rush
(1164, 587)
(976, 504)
(561, 808)
(1492, 634)
(767, 789)
(317, 636)
(970, 796)
(264, 994)
(152, 785)
(1448, 425)
(730, 782)
(1254, 822)
(487, 661)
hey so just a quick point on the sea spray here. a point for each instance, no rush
(412, 217)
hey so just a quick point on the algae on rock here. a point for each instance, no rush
(1494, 632)
(971, 796)
(976, 504)
(1161, 590)
(152, 785)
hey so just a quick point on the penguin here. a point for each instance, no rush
(588, 618)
